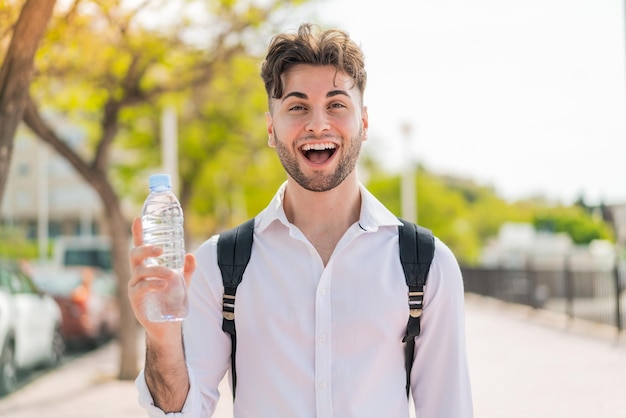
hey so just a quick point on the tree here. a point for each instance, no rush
(101, 67)
(581, 226)
(16, 74)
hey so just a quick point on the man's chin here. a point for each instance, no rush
(320, 184)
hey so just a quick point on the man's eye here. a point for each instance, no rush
(296, 108)
(337, 106)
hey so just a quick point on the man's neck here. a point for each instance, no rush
(340, 205)
(323, 217)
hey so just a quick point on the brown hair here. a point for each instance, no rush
(308, 46)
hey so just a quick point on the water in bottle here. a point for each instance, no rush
(162, 223)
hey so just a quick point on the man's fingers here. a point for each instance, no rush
(137, 255)
(149, 274)
(137, 232)
(190, 267)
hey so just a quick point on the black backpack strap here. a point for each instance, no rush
(417, 248)
(233, 254)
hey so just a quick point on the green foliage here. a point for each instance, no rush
(465, 215)
(575, 221)
(14, 245)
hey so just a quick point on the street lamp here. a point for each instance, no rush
(43, 204)
(408, 187)
(169, 145)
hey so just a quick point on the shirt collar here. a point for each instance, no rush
(373, 213)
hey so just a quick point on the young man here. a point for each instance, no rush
(322, 309)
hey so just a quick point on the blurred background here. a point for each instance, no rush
(499, 125)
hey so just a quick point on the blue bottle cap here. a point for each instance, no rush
(160, 182)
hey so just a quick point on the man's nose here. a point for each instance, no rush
(318, 122)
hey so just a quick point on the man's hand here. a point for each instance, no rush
(151, 278)
(165, 368)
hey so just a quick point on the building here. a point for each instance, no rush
(616, 216)
(520, 246)
(44, 196)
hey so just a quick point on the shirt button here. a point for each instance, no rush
(322, 385)
(322, 292)
(322, 338)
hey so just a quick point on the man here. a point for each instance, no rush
(323, 305)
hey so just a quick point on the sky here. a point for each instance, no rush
(528, 97)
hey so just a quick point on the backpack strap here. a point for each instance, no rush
(417, 248)
(233, 254)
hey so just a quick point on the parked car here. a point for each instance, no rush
(83, 251)
(30, 326)
(87, 297)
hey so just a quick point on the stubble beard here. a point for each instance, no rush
(320, 182)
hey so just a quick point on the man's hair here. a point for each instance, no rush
(314, 47)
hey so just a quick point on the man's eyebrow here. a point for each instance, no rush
(301, 95)
(297, 94)
(333, 93)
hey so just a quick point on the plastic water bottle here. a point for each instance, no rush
(162, 223)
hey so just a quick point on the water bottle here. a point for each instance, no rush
(162, 223)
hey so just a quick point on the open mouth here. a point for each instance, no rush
(318, 153)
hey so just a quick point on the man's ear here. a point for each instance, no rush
(365, 121)
(270, 129)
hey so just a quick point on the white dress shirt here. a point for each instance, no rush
(325, 341)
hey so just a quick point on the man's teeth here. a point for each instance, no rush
(318, 146)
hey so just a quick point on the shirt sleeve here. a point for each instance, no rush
(440, 380)
(207, 347)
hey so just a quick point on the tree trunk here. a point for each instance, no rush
(16, 74)
(119, 231)
(129, 327)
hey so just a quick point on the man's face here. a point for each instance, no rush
(317, 126)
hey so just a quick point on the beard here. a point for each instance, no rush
(320, 182)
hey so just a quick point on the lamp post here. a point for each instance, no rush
(169, 132)
(42, 202)
(408, 187)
